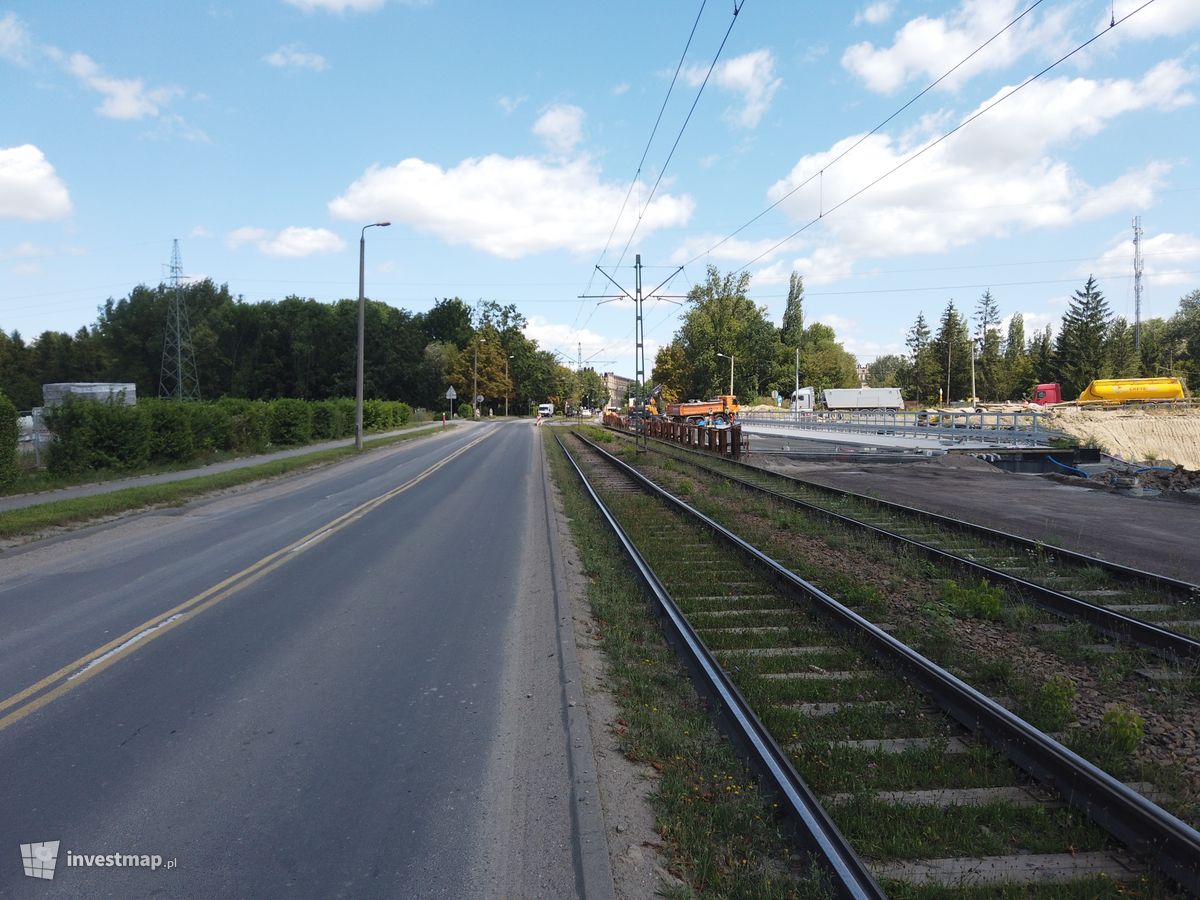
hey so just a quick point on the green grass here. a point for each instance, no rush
(33, 519)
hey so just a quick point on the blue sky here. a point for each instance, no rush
(502, 139)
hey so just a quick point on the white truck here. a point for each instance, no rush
(863, 398)
(545, 409)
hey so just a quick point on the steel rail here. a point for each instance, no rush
(818, 832)
(1119, 569)
(1144, 634)
(1134, 820)
(1105, 621)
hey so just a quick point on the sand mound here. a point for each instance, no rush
(1141, 434)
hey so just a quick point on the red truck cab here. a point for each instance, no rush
(1045, 394)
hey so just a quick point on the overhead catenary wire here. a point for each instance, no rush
(1024, 84)
(737, 8)
(819, 174)
(645, 152)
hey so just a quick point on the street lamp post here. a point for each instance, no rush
(730, 358)
(506, 359)
(475, 378)
(362, 302)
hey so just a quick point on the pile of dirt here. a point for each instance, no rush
(1163, 480)
(1136, 433)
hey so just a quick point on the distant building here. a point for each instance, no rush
(864, 375)
(617, 386)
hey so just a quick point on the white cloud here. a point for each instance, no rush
(732, 250)
(750, 76)
(560, 128)
(927, 46)
(26, 269)
(294, 56)
(14, 40)
(337, 6)
(29, 188)
(876, 13)
(510, 104)
(995, 177)
(824, 265)
(1165, 18)
(124, 98)
(290, 242)
(28, 249)
(620, 89)
(508, 207)
(1169, 260)
(201, 232)
(565, 339)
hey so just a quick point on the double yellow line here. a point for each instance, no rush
(92, 664)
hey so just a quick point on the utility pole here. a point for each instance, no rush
(639, 330)
(1137, 284)
(178, 379)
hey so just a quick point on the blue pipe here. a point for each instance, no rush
(1071, 469)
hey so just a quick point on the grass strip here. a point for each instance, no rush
(32, 519)
(721, 835)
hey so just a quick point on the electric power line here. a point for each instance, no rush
(1028, 81)
(855, 145)
(645, 152)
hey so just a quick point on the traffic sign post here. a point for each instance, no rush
(451, 395)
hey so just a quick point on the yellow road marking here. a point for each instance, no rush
(91, 664)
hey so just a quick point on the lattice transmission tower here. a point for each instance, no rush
(178, 379)
(1137, 283)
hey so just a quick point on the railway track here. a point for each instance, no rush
(924, 780)
(1152, 611)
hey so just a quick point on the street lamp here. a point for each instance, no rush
(475, 378)
(730, 358)
(506, 359)
(358, 380)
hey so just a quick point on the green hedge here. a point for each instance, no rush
(171, 437)
(9, 432)
(291, 422)
(94, 435)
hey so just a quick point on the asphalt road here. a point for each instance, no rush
(306, 690)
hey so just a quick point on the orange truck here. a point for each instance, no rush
(726, 405)
(1115, 390)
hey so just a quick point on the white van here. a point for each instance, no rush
(545, 409)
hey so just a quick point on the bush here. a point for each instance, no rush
(70, 449)
(9, 432)
(1123, 728)
(464, 410)
(170, 430)
(212, 427)
(291, 422)
(1053, 705)
(251, 427)
(119, 436)
(327, 421)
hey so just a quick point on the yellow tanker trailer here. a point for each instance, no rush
(1124, 390)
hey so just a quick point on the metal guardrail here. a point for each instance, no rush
(1022, 428)
(1127, 815)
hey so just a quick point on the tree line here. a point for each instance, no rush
(305, 349)
(1091, 343)
(721, 319)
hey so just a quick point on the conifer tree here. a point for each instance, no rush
(1081, 352)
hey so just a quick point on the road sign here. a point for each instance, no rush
(451, 393)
